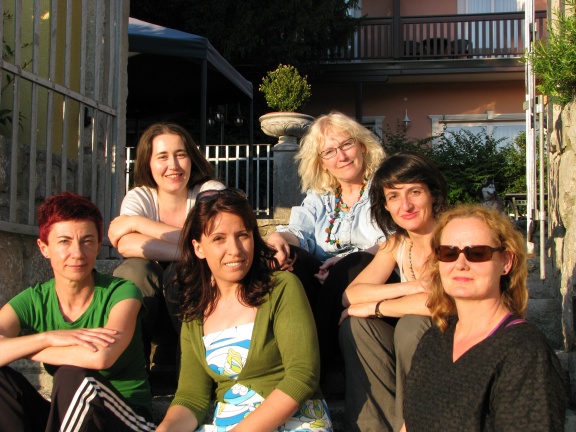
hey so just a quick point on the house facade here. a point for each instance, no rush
(445, 64)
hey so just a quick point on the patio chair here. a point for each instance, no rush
(460, 48)
(435, 47)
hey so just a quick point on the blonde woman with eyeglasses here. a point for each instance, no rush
(331, 237)
(482, 367)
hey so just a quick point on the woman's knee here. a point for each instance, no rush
(147, 275)
(408, 332)
(365, 331)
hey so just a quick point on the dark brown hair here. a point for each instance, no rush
(405, 167)
(199, 295)
(201, 170)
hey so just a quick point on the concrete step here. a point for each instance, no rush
(164, 393)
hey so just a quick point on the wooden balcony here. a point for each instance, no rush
(474, 36)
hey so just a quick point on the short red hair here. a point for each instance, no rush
(67, 206)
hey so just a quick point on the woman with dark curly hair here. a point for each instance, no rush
(482, 367)
(247, 329)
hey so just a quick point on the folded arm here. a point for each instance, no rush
(138, 236)
(414, 304)
(370, 285)
(97, 348)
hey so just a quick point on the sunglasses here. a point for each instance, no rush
(472, 253)
(212, 194)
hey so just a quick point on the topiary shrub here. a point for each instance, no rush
(285, 89)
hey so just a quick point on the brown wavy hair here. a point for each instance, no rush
(198, 294)
(201, 169)
(513, 290)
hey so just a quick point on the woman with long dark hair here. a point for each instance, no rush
(247, 329)
(170, 171)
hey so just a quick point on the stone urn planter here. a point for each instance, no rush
(288, 127)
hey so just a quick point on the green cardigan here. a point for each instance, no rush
(283, 353)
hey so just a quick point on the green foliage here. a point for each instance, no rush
(554, 59)
(285, 89)
(398, 140)
(256, 35)
(466, 158)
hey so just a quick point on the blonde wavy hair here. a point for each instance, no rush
(513, 290)
(312, 174)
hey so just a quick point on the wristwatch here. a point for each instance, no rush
(377, 310)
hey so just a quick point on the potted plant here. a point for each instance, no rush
(286, 91)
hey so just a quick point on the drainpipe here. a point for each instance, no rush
(530, 119)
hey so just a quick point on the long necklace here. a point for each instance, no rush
(339, 206)
(410, 260)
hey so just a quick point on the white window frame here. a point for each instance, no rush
(488, 121)
(374, 123)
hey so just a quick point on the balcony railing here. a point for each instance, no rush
(439, 37)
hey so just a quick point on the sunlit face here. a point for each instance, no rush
(228, 250)
(464, 280)
(170, 163)
(346, 166)
(72, 249)
(411, 206)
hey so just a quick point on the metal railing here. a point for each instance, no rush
(61, 82)
(436, 37)
(235, 167)
(252, 173)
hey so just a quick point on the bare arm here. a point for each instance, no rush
(140, 246)
(414, 304)
(122, 321)
(370, 285)
(138, 236)
(274, 411)
(178, 419)
(13, 347)
(281, 241)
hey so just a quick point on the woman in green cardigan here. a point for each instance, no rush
(248, 330)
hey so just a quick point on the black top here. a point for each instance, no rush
(511, 381)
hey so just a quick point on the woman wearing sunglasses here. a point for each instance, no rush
(482, 367)
(331, 236)
(169, 172)
(383, 322)
(247, 330)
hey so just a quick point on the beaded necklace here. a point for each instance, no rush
(340, 205)
(410, 260)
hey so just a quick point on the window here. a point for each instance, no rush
(506, 126)
(489, 6)
(374, 123)
(500, 37)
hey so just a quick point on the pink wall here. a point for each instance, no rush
(421, 100)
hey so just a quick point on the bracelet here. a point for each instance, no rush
(377, 310)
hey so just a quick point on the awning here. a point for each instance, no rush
(144, 37)
(147, 38)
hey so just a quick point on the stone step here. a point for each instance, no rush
(160, 402)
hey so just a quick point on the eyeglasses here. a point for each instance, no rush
(472, 253)
(331, 152)
(212, 194)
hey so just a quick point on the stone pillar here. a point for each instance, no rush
(286, 183)
(289, 127)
